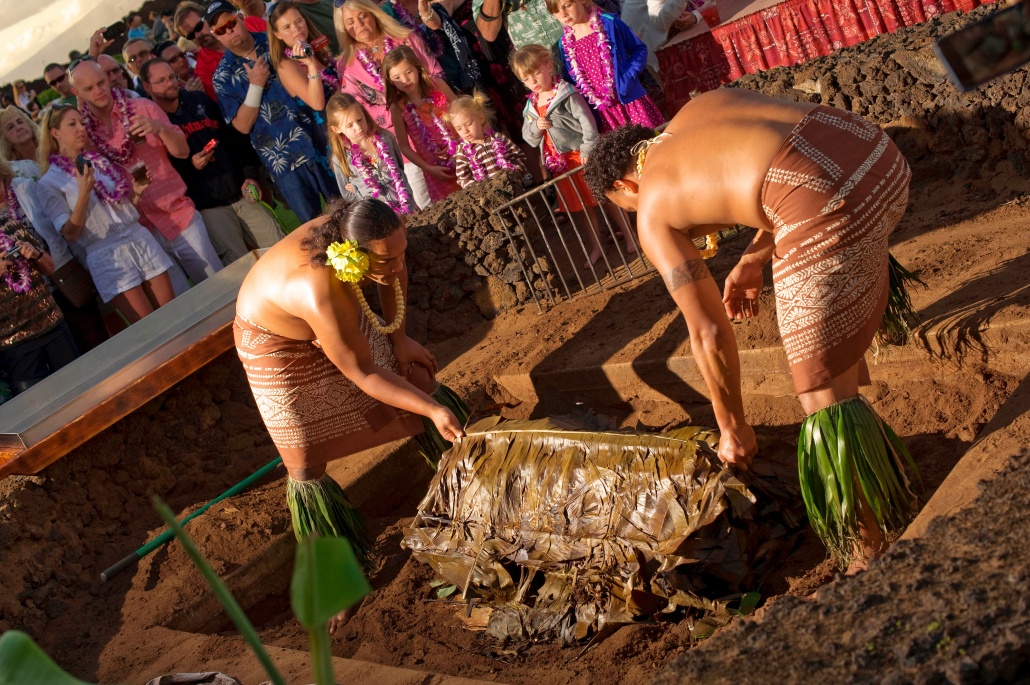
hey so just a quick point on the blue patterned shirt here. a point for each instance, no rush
(281, 134)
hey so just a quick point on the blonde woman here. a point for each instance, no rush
(95, 207)
(19, 135)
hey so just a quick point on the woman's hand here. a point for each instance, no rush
(309, 61)
(441, 173)
(28, 250)
(741, 291)
(85, 180)
(408, 352)
(737, 446)
(447, 423)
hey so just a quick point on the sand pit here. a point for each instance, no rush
(962, 381)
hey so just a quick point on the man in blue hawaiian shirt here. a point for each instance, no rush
(254, 102)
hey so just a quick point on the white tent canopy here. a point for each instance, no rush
(35, 33)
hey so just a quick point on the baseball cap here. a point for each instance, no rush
(215, 8)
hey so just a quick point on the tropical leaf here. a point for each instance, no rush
(22, 662)
(564, 530)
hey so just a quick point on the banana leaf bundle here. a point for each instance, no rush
(563, 531)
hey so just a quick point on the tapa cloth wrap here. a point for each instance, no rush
(835, 190)
(312, 411)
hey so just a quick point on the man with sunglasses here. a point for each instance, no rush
(180, 62)
(116, 74)
(254, 102)
(57, 78)
(135, 52)
(111, 122)
(217, 178)
(190, 23)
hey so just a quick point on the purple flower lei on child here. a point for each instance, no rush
(111, 196)
(364, 168)
(554, 162)
(500, 156)
(443, 149)
(23, 282)
(603, 95)
(124, 153)
(375, 70)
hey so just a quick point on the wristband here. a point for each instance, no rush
(697, 15)
(486, 17)
(314, 77)
(429, 17)
(254, 96)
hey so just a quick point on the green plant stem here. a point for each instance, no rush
(232, 607)
(321, 655)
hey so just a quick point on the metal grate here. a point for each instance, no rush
(557, 265)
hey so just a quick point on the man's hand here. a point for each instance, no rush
(259, 73)
(408, 352)
(97, 43)
(245, 189)
(144, 126)
(737, 446)
(741, 291)
(194, 84)
(202, 159)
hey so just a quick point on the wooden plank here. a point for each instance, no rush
(82, 399)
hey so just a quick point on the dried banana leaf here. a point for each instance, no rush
(564, 530)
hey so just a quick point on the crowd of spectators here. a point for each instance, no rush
(131, 179)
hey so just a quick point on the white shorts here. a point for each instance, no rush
(121, 262)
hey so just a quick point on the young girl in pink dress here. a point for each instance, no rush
(604, 60)
(418, 103)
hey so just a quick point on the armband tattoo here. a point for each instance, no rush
(686, 273)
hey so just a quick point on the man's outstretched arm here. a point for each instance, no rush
(711, 338)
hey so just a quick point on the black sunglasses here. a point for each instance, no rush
(57, 80)
(80, 60)
(193, 33)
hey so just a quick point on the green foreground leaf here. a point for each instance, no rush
(22, 662)
(327, 579)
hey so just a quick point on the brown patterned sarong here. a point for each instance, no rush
(834, 192)
(312, 411)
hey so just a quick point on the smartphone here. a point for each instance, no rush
(15, 252)
(211, 145)
(987, 49)
(114, 30)
(81, 163)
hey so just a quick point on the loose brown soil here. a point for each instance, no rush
(928, 612)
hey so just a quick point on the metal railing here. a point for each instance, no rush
(556, 247)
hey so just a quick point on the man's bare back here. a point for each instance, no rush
(710, 169)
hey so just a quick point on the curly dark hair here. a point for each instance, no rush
(612, 158)
(362, 221)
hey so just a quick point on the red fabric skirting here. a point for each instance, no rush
(786, 34)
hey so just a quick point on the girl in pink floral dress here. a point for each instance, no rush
(418, 103)
(604, 60)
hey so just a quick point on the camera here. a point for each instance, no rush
(15, 252)
(987, 49)
(309, 49)
(81, 163)
(114, 30)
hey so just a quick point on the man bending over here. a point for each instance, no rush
(824, 188)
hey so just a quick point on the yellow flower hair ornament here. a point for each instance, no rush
(351, 265)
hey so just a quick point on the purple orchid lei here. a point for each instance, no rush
(442, 147)
(374, 69)
(123, 153)
(500, 155)
(601, 94)
(364, 168)
(13, 204)
(113, 191)
(554, 162)
(21, 281)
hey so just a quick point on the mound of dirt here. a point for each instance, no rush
(951, 607)
(896, 81)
